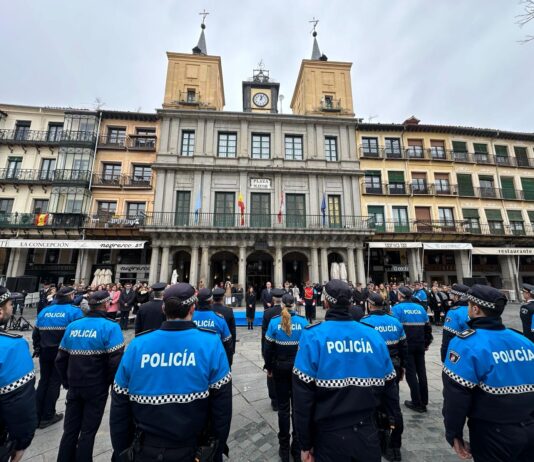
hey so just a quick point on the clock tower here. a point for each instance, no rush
(260, 93)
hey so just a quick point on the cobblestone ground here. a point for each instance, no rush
(254, 424)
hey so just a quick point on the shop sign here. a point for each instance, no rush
(69, 244)
(132, 269)
(503, 251)
(399, 268)
(394, 245)
(260, 183)
(446, 246)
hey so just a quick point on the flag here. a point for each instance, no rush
(281, 211)
(41, 219)
(241, 205)
(323, 209)
(198, 206)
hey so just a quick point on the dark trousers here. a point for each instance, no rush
(112, 314)
(310, 312)
(83, 415)
(284, 395)
(48, 388)
(395, 439)
(124, 319)
(416, 376)
(491, 442)
(437, 316)
(151, 454)
(271, 389)
(358, 443)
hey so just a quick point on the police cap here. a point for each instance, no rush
(459, 289)
(204, 295)
(66, 290)
(5, 295)
(406, 291)
(338, 292)
(99, 297)
(158, 286)
(288, 299)
(487, 297)
(218, 292)
(183, 292)
(375, 299)
(528, 288)
(277, 292)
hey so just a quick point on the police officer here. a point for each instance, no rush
(175, 384)
(414, 319)
(393, 334)
(228, 314)
(527, 311)
(47, 334)
(88, 358)
(281, 345)
(150, 315)
(206, 318)
(488, 378)
(275, 310)
(456, 318)
(341, 368)
(18, 417)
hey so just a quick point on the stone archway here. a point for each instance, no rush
(223, 267)
(259, 270)
(181, 263)
(295, 268)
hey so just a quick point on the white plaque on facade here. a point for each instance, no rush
(260, 183)
(503, 251)
(447, 246)
(395, 245)
(69, 244)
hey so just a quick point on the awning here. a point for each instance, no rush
(447, 246)
(69, 244)
(503, 251)
(395, 245)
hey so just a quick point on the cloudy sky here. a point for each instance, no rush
(445, 61)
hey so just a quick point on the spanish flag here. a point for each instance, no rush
(241, 205)
(41, 219)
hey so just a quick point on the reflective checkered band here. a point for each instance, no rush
(99, 302)
(5, 297)
(330, 298)
(403, 337)
(227, 339)
(451, 330)
(52, 328)
(413, 323)
(479, 302)
(83, 352)
(390, 376)
(286, 342)
(458, 379)
(269, 339)
(17, 383)
(351, 381)
(302, 376)
(115, 348)
(392, 342)
(510, 390)
(226, 379)
(456, 292)
(190, 300)
(158, 400)
(119, 390)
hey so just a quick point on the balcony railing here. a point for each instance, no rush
(122, 181)
(113, 141)
(78, 138)
(30, 137)
(330, 105)
(488, 193)
(406, 189)
(257, 221)
(41, 220)
(129, 142)
(72, 177)
(28, 176)
(108, 220)
(189, 97)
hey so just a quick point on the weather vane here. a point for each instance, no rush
(261, 66)
(314, 22)
(203, 14)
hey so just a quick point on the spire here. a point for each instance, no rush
(201, 49)
(316, 53)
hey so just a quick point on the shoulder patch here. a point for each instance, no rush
(309, 326)
(145, 332)
(219, 314)
(9, 334)
(454, 357)
(211, 331)
(466, 333)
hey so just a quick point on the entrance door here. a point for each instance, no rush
(260, 210)
(259, 271)
(424, 219)
(334, 211)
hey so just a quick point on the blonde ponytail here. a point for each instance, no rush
(286, 321)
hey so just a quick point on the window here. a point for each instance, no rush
(73, 204)
(508, 188)
(40, 206)
(334, 211)
(370, 147)
(183, 208)
(145, 138)
(329, 102)
(373, 182)
(116, 136)
(227, 144)
(465, 185)
(481, 153)
(521, 156)
(14, 165)
(191, 95)
(106, 209)
(528, 188)
(260, 210)
(135, 210)
(396, 182)
(295, 210)
(48, 167)
(415, 149)
(378, 220)
(330, 148)
(54, 131)
(400, 219)
(487, 187)
(437, 149)
(224, 215)
(80, 169)
(495, 222)
(472, 220)
(446, 216)
(22, 129)
(442, 183)
(419, 184)
(111, 173)
(188, 143)
(501, 155)
(393, 148)
(515, 217)
(142, 174)
(261, 146)
(6, 205)
(459, 151)
(293, 147)
(530, 214)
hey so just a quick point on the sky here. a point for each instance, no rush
(456, 62)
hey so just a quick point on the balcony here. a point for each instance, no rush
(421, 189)
(374, 189)
(78, 138)
(112, 142)
(122, 181)
(189, 98)
(330, 105)
(130, 142)
(438, 153)
(484, 158)
(488, 193)
(107, 221)
(462, 156)
(415, 153)
(29, 137)
(20, 176)
(41, 220)
(72, 177)
(371, 153)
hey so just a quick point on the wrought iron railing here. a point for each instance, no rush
(122, 181)
(41, 220)
(23, 136)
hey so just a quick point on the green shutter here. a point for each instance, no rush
(395, 177)
(465, 185)
(515, 215)
(377, 214)
(493, 215)
(470, 213)
(480, 148)
(528, 188)
(372, 173)
(530, 214)
(459, 146)
(508, 189)
(501, 151)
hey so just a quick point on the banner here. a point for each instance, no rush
(66, 244)
(395, 245)
(446, 246)
(503, 250)
(41, 219)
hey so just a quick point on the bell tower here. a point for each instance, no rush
(260, 93)
(194, 81)
(323, 87)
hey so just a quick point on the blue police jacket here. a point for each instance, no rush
(421, 295)
(206, 318)
(526, 313)
(341, 370)
(488, 375)
(17, 390)
(171, 382)
(90, 351)
(280, 348)
(414, 319)
(455, 322)
(50, 326)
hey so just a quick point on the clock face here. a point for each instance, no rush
(260, 99)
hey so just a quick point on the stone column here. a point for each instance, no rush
(204, 265)
(463, 267)
(154, 260)
(193, 270)
(324, 265)
(360, 267)
(413, 264)
(509, 274)
(278, 273)
(314, 266)
(18, 262)
(164, 270)
(351, 265)
(242, 276)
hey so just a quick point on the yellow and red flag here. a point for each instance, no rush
(241, 205)
(41, 219)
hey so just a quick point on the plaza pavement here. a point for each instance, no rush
(254, 424)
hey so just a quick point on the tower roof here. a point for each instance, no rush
(201, 49)
(316, 53)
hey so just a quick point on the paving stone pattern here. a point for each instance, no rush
(253, 434)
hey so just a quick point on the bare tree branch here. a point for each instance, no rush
(524, 18)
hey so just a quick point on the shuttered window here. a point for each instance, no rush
(508, 189)
(501, 155)
(530, 214)
(528, 188)
(493, 215)
(459, 146)
(465, 185)
(515, 217)
(472, 220)
(521, 156)
(376, 212)
(480, 148)
(395, 177)
(494, 218)
(396, 182)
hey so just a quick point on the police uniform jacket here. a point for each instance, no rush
(150, 316)
(18, 414)
(391, 330)
(90, 351)
(356, 312)
(229, 317)
(527, 319)
(171, 382)
(341, 370)
(206, 318)
(455, 322)
(488, 375)
(280, 348)
(414, 320)
(268, 314)
(50, 326)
